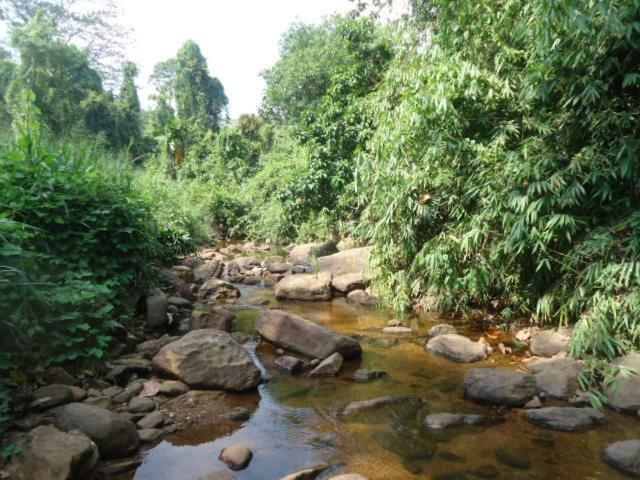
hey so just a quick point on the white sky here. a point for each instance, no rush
(239, 38)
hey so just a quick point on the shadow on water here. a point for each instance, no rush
(299, 421)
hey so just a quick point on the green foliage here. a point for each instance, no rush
(505, 166)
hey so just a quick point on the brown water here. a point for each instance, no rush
(298, 423)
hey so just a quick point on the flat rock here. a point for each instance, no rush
(329, 367)
(558, 377)
(51, 396)
(305, 286)
(215, 290)
(353, 260)
(217, 318)
(397, 330)
(305, 337)
(624, 456)
(289, 364)
(547, 343)
(54, 455)
(115, 436)
(307, 473)
(566, 419)
(179, 302)
(301, 254)
(151, 435)
(441, 329)
(173, 388)
(500, 387)
(209, 359)
(363, 405)
(623, 391)
(236, 456)
(141, 405)
(458, 348)
(153, 420)
(349, 281)
(441, 421)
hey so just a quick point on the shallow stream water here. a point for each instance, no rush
(298, 423)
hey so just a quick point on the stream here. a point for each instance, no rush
(298, 421)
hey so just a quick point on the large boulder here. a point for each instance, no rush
(363, 297)
(301, 254)
(558, 377)
(215, 290)
(276, 264)
(208, 270)
(624, 456)
(305, 337)
(500, 387)
(217, 318)
(623, 391)
(547, 343)
(149, 348)
(459, 348)
(345, 262)
(114, 435)
(240, 264)
(305, 286)
(565, 419)
(157, 305)
(209, 359)
(54, 455)
(349, 282)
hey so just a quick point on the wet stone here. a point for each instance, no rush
(239, 414)
(624, 456)
(236, 456)
(141, 405)
(366, 375)
(513, 458)
(566, 419)
(153, 420)
(405, 446)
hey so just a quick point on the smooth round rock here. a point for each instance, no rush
(236, 456)
(141, 405)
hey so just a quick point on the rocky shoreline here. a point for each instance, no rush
(185, 359)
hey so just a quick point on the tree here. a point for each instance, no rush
(199, 98)
(129, 104)
(92, 25)
(7, 68)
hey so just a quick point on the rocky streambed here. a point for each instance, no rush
(261, 367)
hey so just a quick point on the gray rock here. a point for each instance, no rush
(239, 414)
(54, 455)
(301, 254)
(236, 456)
(566, 419)
(153, 420)
(623, 391)
(547, 343)
(441, 329)
(215, 290)
(51, 396)
(217, 318)
(184, 273)
(306, 473)
(500, 387)
(102, 402)
(179, 302)
(458, 348)
(306, 286)
(349, 281)
(366, 375)
(329, 367)
(558, 377)
(173, 388)
(289, 364)
(58, 375)
(157, 305)
(114, 436)
(397, 330)
(362, 297)
(624, 456)
(141, 405)
(209, 359)
(149, 348)
(151, 435)
(208, 270)
(305, 337)
(129, 392)
(353, 260)
(535, 403)
(276, 264)
(363, 405)
(441, 421)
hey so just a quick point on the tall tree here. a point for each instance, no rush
(200, 99)
(129, 104)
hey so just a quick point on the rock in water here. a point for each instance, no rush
(441, 329)
(500, 387)
(362, 297)
(623, 392)
(547, 343)
(364, 405)
(114, 435)
(440, 421)
(209, 359)
(219, 475)
(558, 377)
(305, 286)
(157, 305)
(458, 348)
(306, 473)
(289, 364)
(329, 367)
(236, 456)
(214, 290)
(217, 318)
(624, 456)
(305, 337)
(565, 419)
(55, 455)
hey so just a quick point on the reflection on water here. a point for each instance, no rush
(298, 422)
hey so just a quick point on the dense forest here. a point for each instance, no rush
(488, 150)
